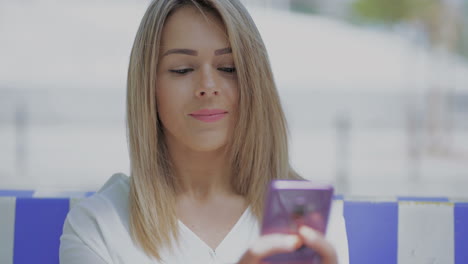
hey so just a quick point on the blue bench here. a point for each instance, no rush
(384, 231)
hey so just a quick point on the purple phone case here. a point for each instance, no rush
(291, 204)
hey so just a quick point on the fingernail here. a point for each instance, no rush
(308, 232)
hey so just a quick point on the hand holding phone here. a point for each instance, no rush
(290, 205)
(272, 244)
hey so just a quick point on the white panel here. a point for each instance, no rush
(7, 229)
(425, 233)
(336, 232)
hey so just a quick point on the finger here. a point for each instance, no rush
(268, 245)
(314, 240)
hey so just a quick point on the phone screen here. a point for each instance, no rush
(291, 204)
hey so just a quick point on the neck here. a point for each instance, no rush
(201, 174)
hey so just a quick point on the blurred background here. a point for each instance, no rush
(375, 91)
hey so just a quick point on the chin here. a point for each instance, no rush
(208, 144)
(208, 147)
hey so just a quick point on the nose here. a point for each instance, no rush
(208, 84)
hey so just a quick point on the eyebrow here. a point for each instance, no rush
(195, 53)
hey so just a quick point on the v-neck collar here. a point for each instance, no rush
(226, 238)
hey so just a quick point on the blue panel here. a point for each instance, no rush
(88, 194)
(338, 197)
(38, 227)
(16, 193)
(423, 199)
(372, 229)
(461, 233)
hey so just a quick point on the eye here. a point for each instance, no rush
(228, 69)
(181, 71)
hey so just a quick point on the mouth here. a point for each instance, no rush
(209, 115)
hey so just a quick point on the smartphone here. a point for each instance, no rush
(291, 204)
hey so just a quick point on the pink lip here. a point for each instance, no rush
(209, 115)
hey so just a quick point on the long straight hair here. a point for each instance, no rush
(258, 150)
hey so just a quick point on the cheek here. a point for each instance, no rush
(170, 106)
(233, 97)
(231, 91)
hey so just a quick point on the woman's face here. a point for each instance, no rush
(196, 82)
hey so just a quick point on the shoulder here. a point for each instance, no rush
(118, 182)
(96, 220)
(112, 197)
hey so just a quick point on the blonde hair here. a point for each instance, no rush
(258, 149)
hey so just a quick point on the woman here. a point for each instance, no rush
(206, 134)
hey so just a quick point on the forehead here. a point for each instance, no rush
(187, 27)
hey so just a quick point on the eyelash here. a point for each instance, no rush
(229, 70)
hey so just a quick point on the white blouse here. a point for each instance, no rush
(96, 231)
